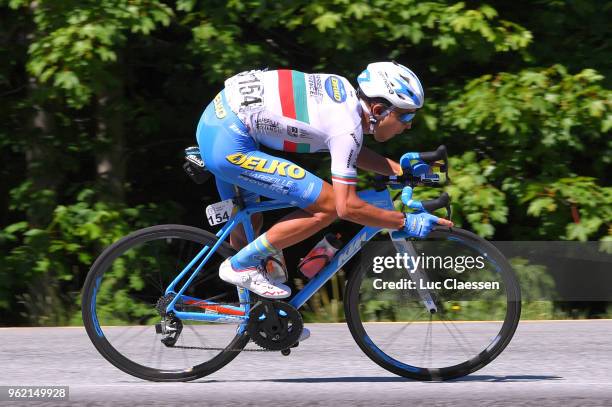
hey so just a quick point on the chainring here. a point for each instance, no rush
(274, 325)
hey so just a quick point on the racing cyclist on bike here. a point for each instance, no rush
(306, 113)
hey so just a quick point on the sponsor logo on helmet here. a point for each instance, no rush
(388, 83)
(283, 168)
(335, 89)
(404, 89)
(364, 76)
(219, 108)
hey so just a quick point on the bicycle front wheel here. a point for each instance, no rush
(124, 293)
(452, 315)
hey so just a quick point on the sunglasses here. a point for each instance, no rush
(404, 118)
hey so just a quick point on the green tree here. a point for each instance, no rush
(99, 97)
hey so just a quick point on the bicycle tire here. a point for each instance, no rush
(510, 322)
(101, 343)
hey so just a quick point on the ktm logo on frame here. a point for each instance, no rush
(261, 165)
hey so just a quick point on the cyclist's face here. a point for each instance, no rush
(392, 124)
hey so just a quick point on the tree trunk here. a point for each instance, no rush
(110, 157)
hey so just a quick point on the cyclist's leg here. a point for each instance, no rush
(238, 236)
(292, 228)
(279, 178)
(232, 155)
(221, 132)
(303, 223)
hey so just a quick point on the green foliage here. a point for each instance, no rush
(45, 266)
(520, 96)
(243, 35)
(581, 199)
(542, 126)
(476, 201)
(477, 204)
(81, 41)
(548, 108)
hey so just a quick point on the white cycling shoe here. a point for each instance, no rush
(254, 279)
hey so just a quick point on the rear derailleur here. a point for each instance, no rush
(170, 326)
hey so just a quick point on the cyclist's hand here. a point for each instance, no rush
(416, 166)
(420, 224)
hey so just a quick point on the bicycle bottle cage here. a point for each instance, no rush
(195, 166)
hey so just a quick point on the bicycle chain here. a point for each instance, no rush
(236, 304)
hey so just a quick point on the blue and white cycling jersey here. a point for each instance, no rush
(298, 112)
(283, 110)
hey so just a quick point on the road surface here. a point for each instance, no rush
(547, 364)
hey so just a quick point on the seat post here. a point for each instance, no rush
(238, 200)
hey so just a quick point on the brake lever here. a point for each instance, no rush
(431, 157)
(430, 205)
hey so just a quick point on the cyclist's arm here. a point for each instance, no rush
(350, 207)
(344, 150)
(370, 160)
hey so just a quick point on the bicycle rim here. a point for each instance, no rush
(470, 327)
(121, 297)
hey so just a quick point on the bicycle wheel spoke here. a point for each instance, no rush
(396, 335)
(451, 340)
(468, 353)
(157, 345)
(464, 338)
(125, 292)
(201, 279)
(425, 355)
(183, 352)
(130, 338)
(201, 339)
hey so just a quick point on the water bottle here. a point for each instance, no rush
(320, 255)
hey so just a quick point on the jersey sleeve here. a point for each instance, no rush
(344, 149)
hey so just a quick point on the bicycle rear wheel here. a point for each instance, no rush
(468, 327)
(120, 305)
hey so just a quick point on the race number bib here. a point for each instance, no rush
(245, 92)
(219, 212)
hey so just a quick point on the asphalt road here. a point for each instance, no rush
(547, 364)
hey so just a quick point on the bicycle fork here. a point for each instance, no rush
(416, 274)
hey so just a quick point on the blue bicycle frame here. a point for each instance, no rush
(239, 314)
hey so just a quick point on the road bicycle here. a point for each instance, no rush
(154, 306)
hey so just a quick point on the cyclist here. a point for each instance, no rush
(305, 113)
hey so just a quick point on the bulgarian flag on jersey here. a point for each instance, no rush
(293, 95)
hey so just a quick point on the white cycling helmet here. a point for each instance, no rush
(393, 82)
